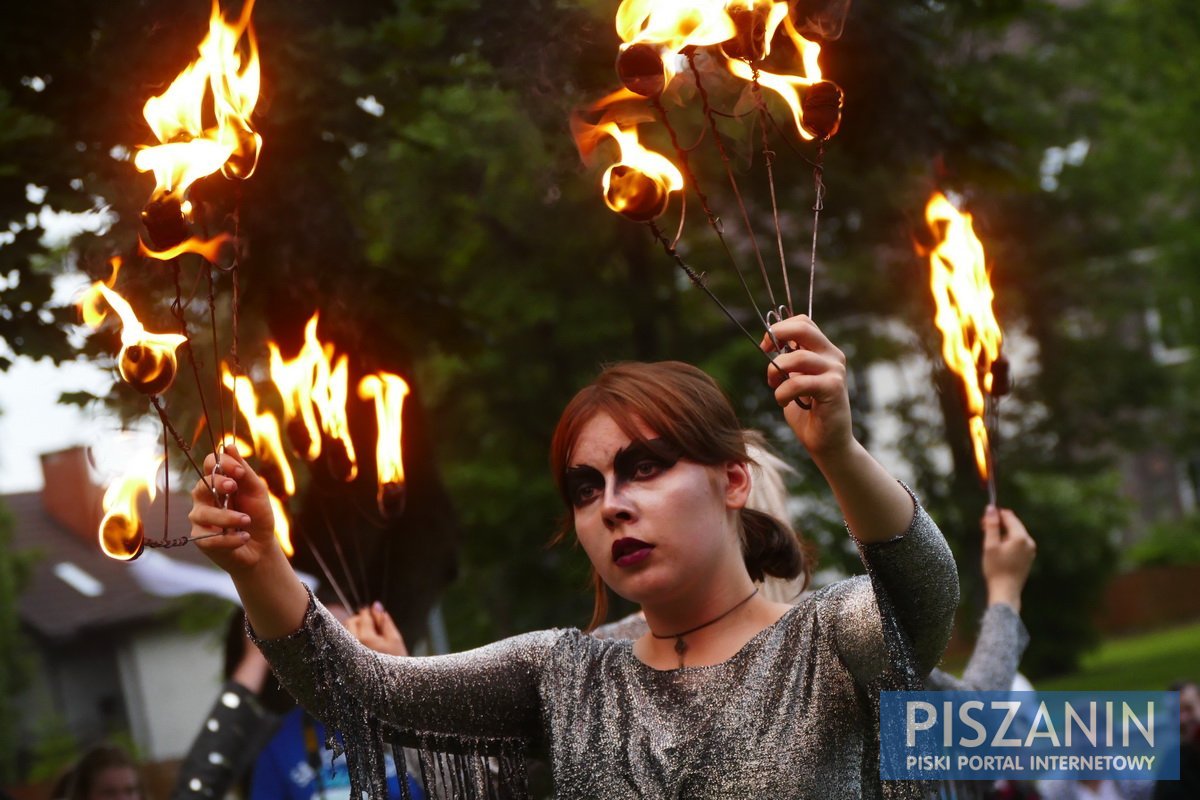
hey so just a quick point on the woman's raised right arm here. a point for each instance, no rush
(274, 599)
(485, 700)
(488, 693)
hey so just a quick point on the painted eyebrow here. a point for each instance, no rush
(577, 477)
(627, 457)
(638, 448)
(581, 471)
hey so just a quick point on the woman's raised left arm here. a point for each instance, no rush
(875, 506)
(911, 566)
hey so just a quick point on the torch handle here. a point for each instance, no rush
(991, 425)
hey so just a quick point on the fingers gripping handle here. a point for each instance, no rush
(774, 316)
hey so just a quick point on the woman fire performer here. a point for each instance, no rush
(729, 695)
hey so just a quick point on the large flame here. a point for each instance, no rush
(188, 150)
(122, 534)
(789, 86)
(146, 360)
(264, 428)
(674, 24)
(653, 32)
(315, 387)
(971, 336)
(756, 22)
(295, 379)
(388, 391)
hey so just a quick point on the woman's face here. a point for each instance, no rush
(654, 525)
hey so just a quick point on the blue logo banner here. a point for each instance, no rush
(1029, 735)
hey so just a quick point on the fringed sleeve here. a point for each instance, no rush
(479, 707)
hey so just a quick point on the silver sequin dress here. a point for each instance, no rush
(792, 715)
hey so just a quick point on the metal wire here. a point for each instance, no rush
(818, 206)
(156, 401)
(177, 310)
(992, 426)
(714, 221)
(212, 321)
(700, 282)
(337, 546)
(719, 141)
(769, 159)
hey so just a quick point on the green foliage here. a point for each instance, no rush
(1173, 542)
(54, 751)
(14, 660)
(1074, 519)
(1149, 662)
(199, 613)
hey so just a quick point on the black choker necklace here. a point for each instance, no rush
(681, 646)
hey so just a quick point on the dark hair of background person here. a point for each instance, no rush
(76, 783)
(273, 697)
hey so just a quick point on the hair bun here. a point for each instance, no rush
(769, 547)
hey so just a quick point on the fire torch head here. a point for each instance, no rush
(150, 370)
(821, 107)
(165, 223)
(635, 194)
(640, 68)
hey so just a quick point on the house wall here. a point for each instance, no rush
(170, 680)
(86, 686)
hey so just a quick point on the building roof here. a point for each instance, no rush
(73, 587)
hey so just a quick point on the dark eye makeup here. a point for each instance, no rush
(582, 484)
(645, 459)
(639, 461)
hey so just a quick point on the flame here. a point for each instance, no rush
(209, 249)
(388, 391)
(283, 525)
(315, 389)
(971, 336)
(654, 31)
(788, 86)
(640, 183)
(751, 42)
(330, 395)
(188, 150)
(92, 303)
(264, 427)
(674, 24)
(121, 532)
(623, 108)
(295, 380)
(146, 360)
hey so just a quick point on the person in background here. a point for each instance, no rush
(1008, 553)
(104, 772)
(241, 721)
(296, 764)
(1188, 785)
(251, 706)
